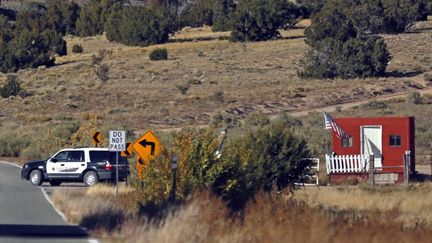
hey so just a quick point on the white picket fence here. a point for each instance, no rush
(346, 163)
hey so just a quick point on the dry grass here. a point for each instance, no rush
(269, 218)
(101, 190)
(411, 206)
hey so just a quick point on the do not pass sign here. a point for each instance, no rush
(117, 140)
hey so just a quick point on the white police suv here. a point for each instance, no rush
(88, 165)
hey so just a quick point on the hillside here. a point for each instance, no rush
(204, 76)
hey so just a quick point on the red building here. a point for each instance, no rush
(387, 138)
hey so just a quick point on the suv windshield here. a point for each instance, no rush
(100, 156)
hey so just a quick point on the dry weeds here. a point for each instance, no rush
(410, 206)
(329, 215)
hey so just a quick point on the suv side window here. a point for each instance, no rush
(62, 156)
(76, 156)
(99, 156)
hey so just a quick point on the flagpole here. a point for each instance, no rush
(326, 145)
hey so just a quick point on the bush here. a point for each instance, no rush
(27, 49)
(330, 22)
(198, 13)
(358, 57)
(400, 15)
(338, 51)
(258, 20)
(415, 98)
(12, 87)
(76, 48)
(61, 16)
(140, 26)
(197, 166)
(367, 16)
(375, 105)
(270, 157)
(310, 7)
(223, 12)
(94, 16)
(158, 54)
(102, 72)
(12, 143)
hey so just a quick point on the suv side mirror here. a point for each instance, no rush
(54, 160)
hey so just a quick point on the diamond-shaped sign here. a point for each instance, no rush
(147, 147)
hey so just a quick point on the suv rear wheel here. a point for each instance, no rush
(36, 177)
(90, 178)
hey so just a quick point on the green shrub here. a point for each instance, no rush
(357, 57)
(310, 7)
(61, 16)
(258, 20)
(12, 87)
(270, 157)
(12, 142)
(415, 98)
(400, 15)
(197, 166)
(77, 48)
(223, 12)
(330, 22)
(27, 49)
(198, 13)
(158, 54)
(375, 105)
(94, 16)
(338, 51)
(140, 26)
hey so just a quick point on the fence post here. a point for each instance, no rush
(174, 183)
(371, 170)
(407, 160)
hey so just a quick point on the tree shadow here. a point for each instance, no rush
(156, 212)
(294, 37)
(399, 74)
(35, 231)
(108, 220)
(9, 13)
(419, 177)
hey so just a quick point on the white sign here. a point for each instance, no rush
(117, 140)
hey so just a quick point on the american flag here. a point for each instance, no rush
(331, 124)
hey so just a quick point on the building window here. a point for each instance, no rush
(395, 140)
(347, 142)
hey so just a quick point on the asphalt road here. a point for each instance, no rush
(27, 216)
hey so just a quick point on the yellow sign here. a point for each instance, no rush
(128, 152)
(147, 147)
(96, 138)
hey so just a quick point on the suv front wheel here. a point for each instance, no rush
(90, 178)
(36, 177)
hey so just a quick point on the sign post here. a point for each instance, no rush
(118, 144)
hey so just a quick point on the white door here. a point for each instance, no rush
(56, 166)
(372, 143)
(75, 164)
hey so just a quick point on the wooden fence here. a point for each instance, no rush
(347, 163)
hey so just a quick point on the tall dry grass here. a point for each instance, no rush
(411, 207)
(269, 218)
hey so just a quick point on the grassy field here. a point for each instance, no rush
(312, 215)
